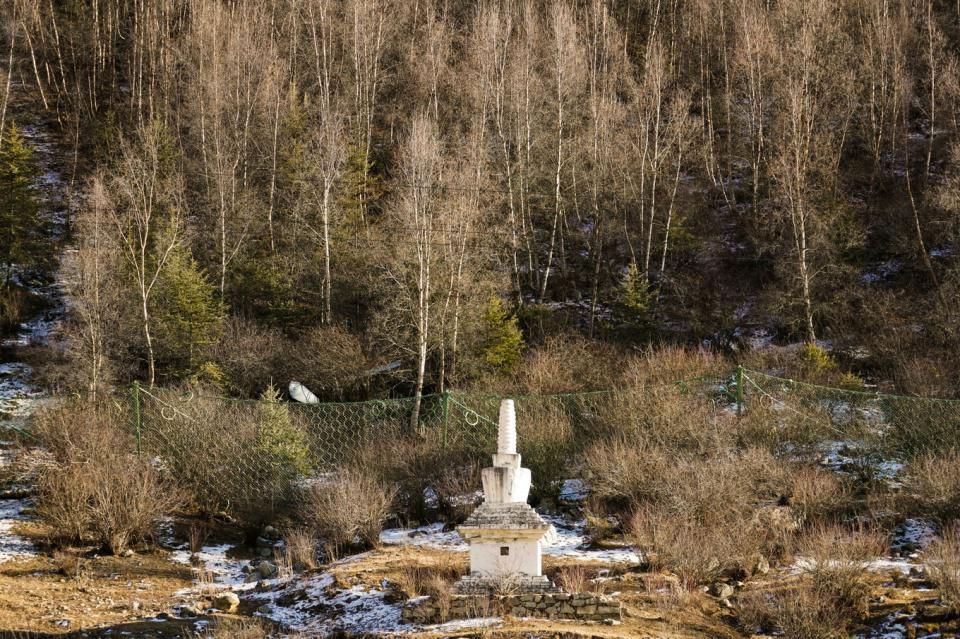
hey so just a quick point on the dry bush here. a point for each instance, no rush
(816, 495)
(96, 488)
(419, 580)
(572, 578)
(196, 536)
(624, 472)
(801, 612)
(696, 552)
(835, 565)
(933, 481)
(942, 561)
(416, 467)
(243, 458)
(546, 438)
(702, 517)
(246, 354)
(671, 417)
(456, 489)
(302, 546)
(782, 426)
(669, 364)
(568, 363)
(348, 510)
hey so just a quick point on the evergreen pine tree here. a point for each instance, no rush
(502, 338)
(188, 315)
(20, 227)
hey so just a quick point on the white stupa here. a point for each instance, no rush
(504, 532)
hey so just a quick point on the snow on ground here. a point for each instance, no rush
(573, 490)
(225, 571)
(880, 565)
(314, 606)
(840, 456)
(13, 546)
(429, 536)
(17, 396)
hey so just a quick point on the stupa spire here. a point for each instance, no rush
(507, 429)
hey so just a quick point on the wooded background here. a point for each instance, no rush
(276, 189)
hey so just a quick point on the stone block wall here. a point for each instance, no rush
(580, 606)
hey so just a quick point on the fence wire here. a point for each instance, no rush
(238, 455)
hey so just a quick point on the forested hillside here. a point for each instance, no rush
(319, 189)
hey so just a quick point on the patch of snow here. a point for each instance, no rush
(880, 564)
(225, 571)
(840, 455)
(941, 251)
(570, 540)
(430, 536)
(13, 546)
(883, 271)
(464, 624)
(573, 490)
(319, 608)
(911, 535)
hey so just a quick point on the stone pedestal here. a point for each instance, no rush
(504, 532)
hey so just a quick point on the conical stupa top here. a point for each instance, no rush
(507, 430)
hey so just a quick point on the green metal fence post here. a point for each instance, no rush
(135, 400)
(739, 382)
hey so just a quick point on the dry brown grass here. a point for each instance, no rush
(301, 544)
(348, 510)
(933, 481)
(835, 567)
(817, 495)
(233, 629)
(942, 561)
(800, 612)
(572, 578)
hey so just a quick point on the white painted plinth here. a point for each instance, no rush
(523, 558)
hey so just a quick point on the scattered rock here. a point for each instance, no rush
(722, 590)
(266, 570)
(226, 601)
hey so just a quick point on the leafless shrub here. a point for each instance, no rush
(302, 546)
(348, 509)
(934, 483)
(801, 612)
(942, 561)
(816, 494)
(196, 535)
(572, 578)
(456, 488)
(834, 560)
(97, 488)
(671, 364)
(567, 363)
(695, 552)
(545, 433)
(435, 581)
(669, 417)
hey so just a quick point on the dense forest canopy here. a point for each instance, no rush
(311, 189)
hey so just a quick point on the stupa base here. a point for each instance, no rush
(475, 584)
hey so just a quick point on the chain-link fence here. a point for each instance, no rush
(236, 454)
(850, 425)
